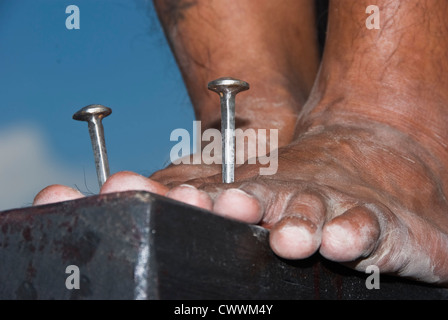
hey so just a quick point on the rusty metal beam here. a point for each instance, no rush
(137, 245)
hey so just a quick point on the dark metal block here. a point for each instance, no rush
(137, 245)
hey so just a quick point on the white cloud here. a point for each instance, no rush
(27, 165)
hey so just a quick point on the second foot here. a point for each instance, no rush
(357, 196)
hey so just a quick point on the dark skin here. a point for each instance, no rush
(363, 160)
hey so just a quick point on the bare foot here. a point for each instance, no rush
(356, 194)
(365, 180)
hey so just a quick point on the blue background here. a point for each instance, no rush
(119, 58)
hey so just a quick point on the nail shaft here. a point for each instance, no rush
(228, 137)
(96, 132)
(228, 88)
(93, 115)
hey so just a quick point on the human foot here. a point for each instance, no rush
(357, 195)
(365, 180)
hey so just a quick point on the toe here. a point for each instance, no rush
(56, 193)
(350, 236)
(297, 234)
(127, 181)
(237, 204)
(192, 196)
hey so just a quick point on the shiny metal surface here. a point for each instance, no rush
(228, 88)
(93, 115)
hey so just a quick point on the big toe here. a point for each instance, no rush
(56, 193)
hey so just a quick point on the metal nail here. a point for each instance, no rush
(228, 88)
(93, 114)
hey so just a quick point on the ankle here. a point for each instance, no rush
(407, 112)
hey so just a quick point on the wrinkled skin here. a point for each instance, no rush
(363, 160)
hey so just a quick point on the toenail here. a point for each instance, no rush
(239, 205)
(188, 186)
(240, 192)
(296, 220)
(293, 241)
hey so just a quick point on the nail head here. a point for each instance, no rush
(227, 84)
(89, 111)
